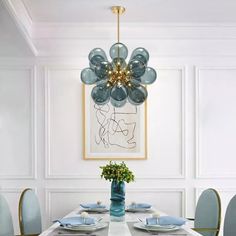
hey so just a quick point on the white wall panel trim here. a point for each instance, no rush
(50, 191)
(47, 102)
(49, 173)
(198, 158)
(33, 122)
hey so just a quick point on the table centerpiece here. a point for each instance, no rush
(117, 174)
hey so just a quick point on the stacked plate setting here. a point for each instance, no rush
(139, 207)
(157, 228)
(75, 224)
(94, 208)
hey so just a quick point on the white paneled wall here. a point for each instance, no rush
(17, 122)
(191, 131)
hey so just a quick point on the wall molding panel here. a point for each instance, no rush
(104, 191)
(220, 174)
(68, 175)
(32, 119)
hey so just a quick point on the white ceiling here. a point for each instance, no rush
(12, 42)
(161, 11)
(72, 27)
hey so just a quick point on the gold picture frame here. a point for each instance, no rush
(113, 133)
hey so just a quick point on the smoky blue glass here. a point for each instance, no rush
(137, 68)
(88, 76)
(101, 94)
(117, 207)
(102, 70)
(118, 96)
(118, 50)
(117, 104)
(137, 95)
(95, 61)
(140, 51)
(101, 81)
(97, 52)
(141, 58)
(119, 61)
(149, 76)
(135, 81)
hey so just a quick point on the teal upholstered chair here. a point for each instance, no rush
(230, 218)
(29, 213)
(6, 225)
(208, 213)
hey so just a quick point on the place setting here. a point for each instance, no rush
(97, 208)
(139, 208)
(82, 224)
(158, 225)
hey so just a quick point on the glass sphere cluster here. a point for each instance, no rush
(117, 81)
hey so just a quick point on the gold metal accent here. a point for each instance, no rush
(88, 158)
(118, 10)
(20, 214)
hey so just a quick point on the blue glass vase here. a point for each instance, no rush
(117, 207)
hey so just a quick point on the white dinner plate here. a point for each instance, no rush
(86, 228)
(158, 228)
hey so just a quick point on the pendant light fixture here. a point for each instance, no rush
(118, 81)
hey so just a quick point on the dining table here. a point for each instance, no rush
(113, 228)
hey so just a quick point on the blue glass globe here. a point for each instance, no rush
(95, 61)
(88, 76)
(140, 51)
(118, 96)
(118, 50)
(141, 58)
(137, 95)
(102, 70)
(149, 76)
(137, 68)
(101, 94)
(97, 52)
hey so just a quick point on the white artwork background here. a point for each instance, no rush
(114, 132)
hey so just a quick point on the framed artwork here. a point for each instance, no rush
(113, 133)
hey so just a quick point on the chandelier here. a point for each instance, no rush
(118, 81)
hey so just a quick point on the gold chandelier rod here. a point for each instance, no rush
(118, 10)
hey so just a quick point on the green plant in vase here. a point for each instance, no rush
(118, 174)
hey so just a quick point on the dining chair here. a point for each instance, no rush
(230, 218)
(208, 213)
(6, 224)
(29, 213)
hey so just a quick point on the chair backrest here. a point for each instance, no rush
(208, 213)
(29, 213)
(6, 225)
(230, 218)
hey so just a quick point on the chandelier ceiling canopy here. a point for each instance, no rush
(118, 81)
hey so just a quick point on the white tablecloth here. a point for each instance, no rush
(118, 228)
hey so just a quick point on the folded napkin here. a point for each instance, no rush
(92, 205)
(165, 220)
(76, 221)
(140, 205)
